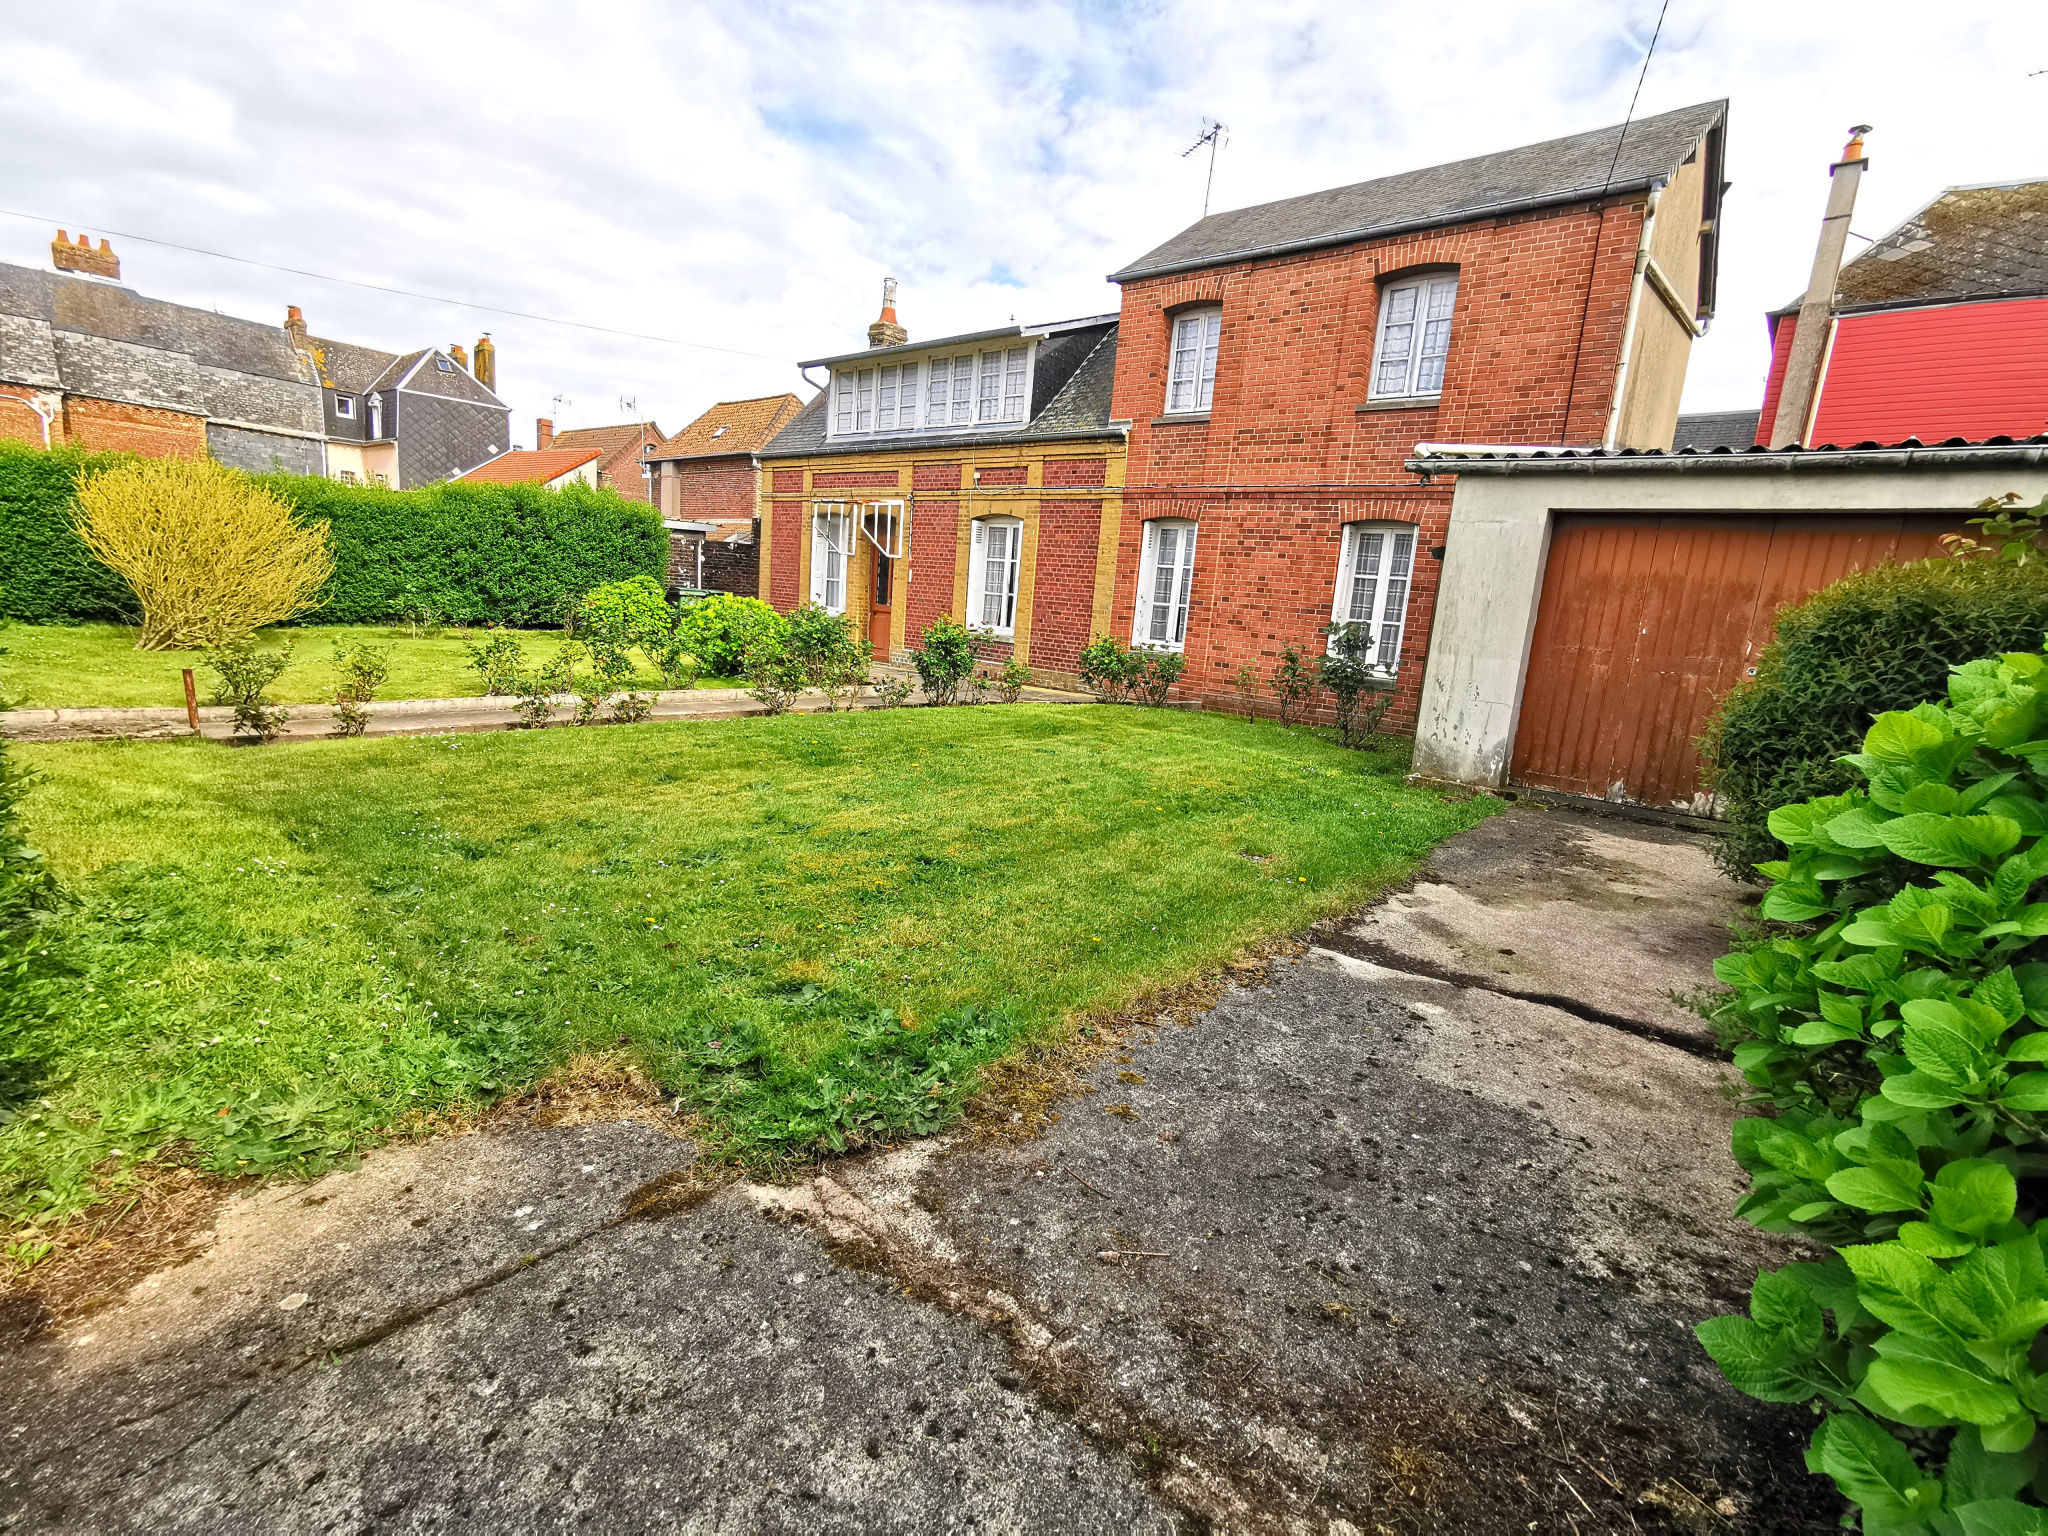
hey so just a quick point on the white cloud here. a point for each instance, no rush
(744, 175)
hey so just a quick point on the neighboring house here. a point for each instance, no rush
(1595, 607)
(1276, 366)
(88, 362)
(708, 479)
(1938, 330)
(1715, 429)
(973, 475)
(404, 419)
(626, 452)
(552, 468)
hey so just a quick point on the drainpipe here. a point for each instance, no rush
(1797, 397)
(1635, 306)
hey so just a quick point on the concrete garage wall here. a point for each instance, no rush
(1501, 519)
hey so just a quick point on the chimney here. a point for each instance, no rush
(543, 432)
(461, 357)
(486, 362)
(67, 257)
(885, 332)
(1817, 309)
(295, 327)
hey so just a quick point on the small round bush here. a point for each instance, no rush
(719, 629)
(1877, 640)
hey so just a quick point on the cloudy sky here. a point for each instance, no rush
(743, 176)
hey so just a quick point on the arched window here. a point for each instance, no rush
(1414, 336)
(1166, 572)
(1373, 575)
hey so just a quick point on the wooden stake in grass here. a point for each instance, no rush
(210, 556)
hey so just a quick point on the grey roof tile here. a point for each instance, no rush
(28, 352)
(1969, 243)
(1709, 430)
(1534, 175)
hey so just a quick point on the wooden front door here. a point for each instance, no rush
(881, 602)
(1647, 621)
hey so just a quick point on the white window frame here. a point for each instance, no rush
(1376, 586)
(986, 389)
(981, 558)
(1191, 360)
(345, 407)
(1412, 337)
(1161, 619)
(831, 553)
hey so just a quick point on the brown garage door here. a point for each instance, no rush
(1647, 621)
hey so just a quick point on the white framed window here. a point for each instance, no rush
(842, 401)
(345, 407)
(831, 542)
(1166, 569)
(938, 394)
(896, 398)
(1414, 336)
(1373, 576)
(992, 552)
(1191, 380)
(348, 477)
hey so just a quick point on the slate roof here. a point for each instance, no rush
(107, 342)
(732, 426)
(1717, 429)
(1074, 371)
(1979, 242)
(346, 367)
(1533, 176)
(535, 464)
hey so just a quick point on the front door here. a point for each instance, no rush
(882, 603)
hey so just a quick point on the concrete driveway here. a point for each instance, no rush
(1376, 1243)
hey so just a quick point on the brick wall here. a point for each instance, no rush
(733, 567)
(789, 526)
(1286, 428)
(934, 549)
(719, 490)
(828, 479)
(1063, 580)
(103, 425)
(935, 477)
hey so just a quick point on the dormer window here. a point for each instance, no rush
(444, 365)
(949, 393)
(345, 407)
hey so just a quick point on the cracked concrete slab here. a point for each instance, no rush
(1355, 1251)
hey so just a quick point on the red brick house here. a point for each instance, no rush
(625, 453)
(1278, 364)
(708, 481)
(1938, 330)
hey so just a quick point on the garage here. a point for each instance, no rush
(1645, 621)
(1595, 606)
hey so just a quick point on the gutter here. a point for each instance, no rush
(1818, 460)
(1450, 220)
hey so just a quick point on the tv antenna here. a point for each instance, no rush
(1213, 134)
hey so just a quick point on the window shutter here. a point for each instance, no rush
(817, 559)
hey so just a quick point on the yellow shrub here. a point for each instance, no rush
(209, 555)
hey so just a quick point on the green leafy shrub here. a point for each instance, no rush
(776, 675)
(245, 674)
(719, 630)
(1294, 684)
(1109, 668)
(1011, 681)
(1162, 670)
(1878, 640)
(1902, 1039)
(363, 670)
(47, 575)
(947, 658)
(890, 692)
(1246, 683)
(499, 659)
(472, 553)
(1345, 675)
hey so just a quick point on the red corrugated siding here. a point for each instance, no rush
(1647, 621)
(1952, 370)
(1774, 386)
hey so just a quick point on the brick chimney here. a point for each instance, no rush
(885, 332)
(486, 362)
(461, 357)
(295, 326)
(543, 432)
(81, 257)
(1817, 309)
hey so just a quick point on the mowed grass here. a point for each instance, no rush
(96, 665)
(812, 930)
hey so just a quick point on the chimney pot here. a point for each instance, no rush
(543, 432)
(486, 368)
(885, 332)
(66, 256)
(461, 357)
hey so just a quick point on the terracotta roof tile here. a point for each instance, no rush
(732, 426)
(541, 465)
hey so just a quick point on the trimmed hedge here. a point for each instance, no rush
(47, 576)
(1874, 641)
(504, 554)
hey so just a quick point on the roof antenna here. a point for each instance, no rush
(629, 403)
(1213, 134)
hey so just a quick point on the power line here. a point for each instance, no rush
(431, 298)
(1579, 346)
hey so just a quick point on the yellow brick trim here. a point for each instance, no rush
(1107, 540)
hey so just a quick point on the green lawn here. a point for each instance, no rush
(85, 665)
(812, 929)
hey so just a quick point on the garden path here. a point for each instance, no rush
(1355, 1249)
